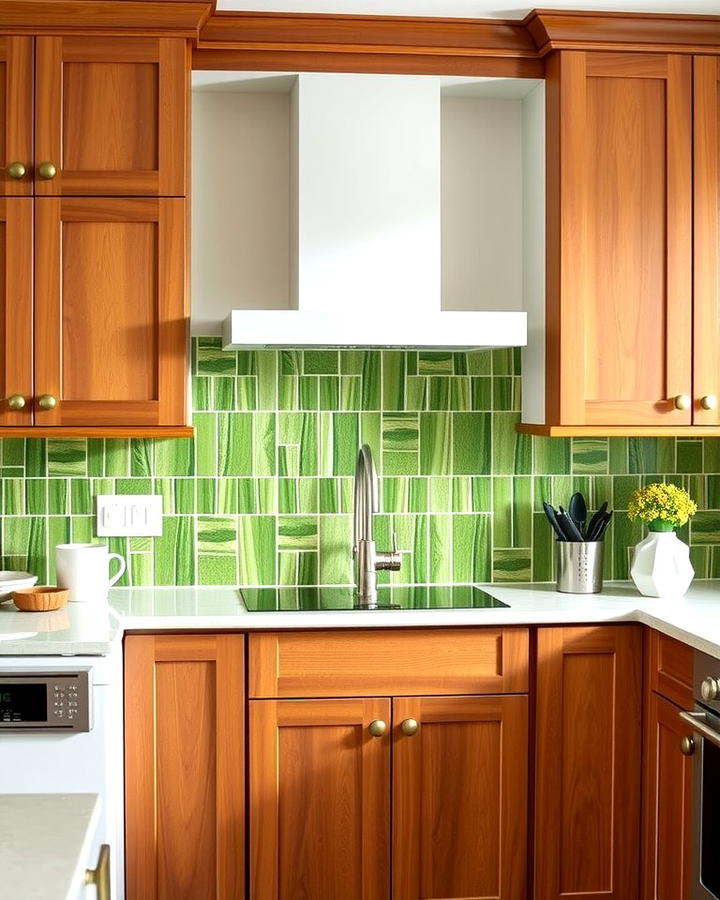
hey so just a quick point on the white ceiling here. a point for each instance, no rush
(465, 8)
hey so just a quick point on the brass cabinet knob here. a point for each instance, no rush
(16, 401)
(47, 401)
(46, 170)
(409, 726)
(709, 401)
(16, 170)
(377, 728)
(710, 688)
(682, 401)
(687, 746)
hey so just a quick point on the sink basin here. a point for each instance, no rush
(422, 596)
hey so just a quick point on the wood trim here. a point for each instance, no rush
(119, 431)
(643, 32)
(379, 663)
(619, 430)
(146, 17)
(17, 141)
(670, 668)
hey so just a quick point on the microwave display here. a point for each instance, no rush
(23, 702)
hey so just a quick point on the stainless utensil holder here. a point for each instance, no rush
(579, 567)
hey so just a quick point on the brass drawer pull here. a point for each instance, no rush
(682, 401)
(16, 170)
(409, 727)
(47, 401)
(47, 171)
(377, 728)
(16, 401)
(100, 876)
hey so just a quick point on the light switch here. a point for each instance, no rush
(129, 515)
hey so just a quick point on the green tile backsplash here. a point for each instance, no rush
(264, 493)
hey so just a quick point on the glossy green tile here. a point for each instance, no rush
(267, 380)
(256, 550)
(350, 393)
(36, 497)
(133, 485)
(220, 570)
(247, 499)
(371, 379)
(689, 456)
(174, 552)
(506, 361)
(589, 456)
(297, 533)
(511, 452)
(227, 496)
(506, 394)
(201, 393)
(543, 549)
(329, 393)
(57, 494)
(436, 432)
(174, 458)
(440, 549)
(309, 392)
(67, 456)
(479, 362)
(81, 503)
(435, 362)
(212, 359)
(205, 461)
(267, 496)
(13, 496)
(235, 444)
(448, 393)
(471, 549)
(184, 496)
(335, 542)
(13, 451)
(705, 527)
(394, 379)
(224, 393)
(320, 362)
(205, 499)
(551, 456)
(35, 458)
(217, 535)
(511, 564)
(651, 454)
(471, 443)
(440, 495)
(416, 393)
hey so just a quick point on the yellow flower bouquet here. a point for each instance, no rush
(663, 507)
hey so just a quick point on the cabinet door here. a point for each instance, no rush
(460, 798)
(588, 759)
(111, 115)
(184, 767)
(16, 115)
(16, 249)
(319, 800)
(619, 282)
(707, 241)
(110, 317)
(668, 789)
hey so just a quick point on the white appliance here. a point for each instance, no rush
(53, 741)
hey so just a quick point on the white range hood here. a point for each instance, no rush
(365, 232)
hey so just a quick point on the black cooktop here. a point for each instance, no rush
(436, 596)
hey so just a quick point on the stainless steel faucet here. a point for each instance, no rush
(368, 559)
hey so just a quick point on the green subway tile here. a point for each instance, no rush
(297, 533)
(174, 458)
(267, 380)
(235, 444)
(212, 359)
(35, 458)
(440, 495)
(700, 560)
(227, 496)
(256, 550)
(350, 393)
(288, 570)
(479, 362)
(400, 431)
(57, 493)
(223, 393)
(217, 535)
(346, 494)
(400, 462)
(288, 459)
(80, 500)
(67, 456)
(82, 529)
(481, 494)
(184, 496)
(393, 380)
(335, 543)
(370, 429)
(502, 512)
(288, 396)
(13, 451)
(201, 388)
(141, 457)
(506, 394)
(345, 443)
(411, 362)
(623, 488)
(246, 389)
(551, 456)
(96, 458)
(246, 361)
(416, 393)
(247, 500)
(58, 533)
(307, 568)
(705, 527)
(320, 362)
(12, 472)
(689, 456)
(133, 485)
(471, 443)
(328, 495)
(36, 497)
(205, 501)
(543, 549)
(141, 569)
(308, 495)
(506, 361)
(462, 497)
(37, 558)
(460, 363)
(511, 452)
(621, 536)
(309, 392)
(267, 495)
(435, 362)
(511, 564)
(329, 393)
(589, 456)
(618, 456)
(394, 494)
(471, 549)
(371, 380)
(288, 495)
(440, 562)
(174, 552)
(291, 362)
(436, 433)
(264, 443)
(351, 362)
(220, 570)
(651, 454)
(117, 457)
(205, 447)
(140, 544)
(13, 496)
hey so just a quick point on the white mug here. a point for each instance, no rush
(85, 570)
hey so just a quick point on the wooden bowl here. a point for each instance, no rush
(40, 599)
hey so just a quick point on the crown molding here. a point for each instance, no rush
(177, 18)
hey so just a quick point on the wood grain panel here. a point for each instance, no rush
(139, 18)
(667, 831)
(460, 798)
(16, 311)
(379, 663)
(184, 767)
(619, 430)
(16, 113)
(111, 311)
(588, 760)
(670, 668)
(706, 338)
(619, 287)
(111, 114)
(319, 799)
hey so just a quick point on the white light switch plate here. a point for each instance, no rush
(129, 514)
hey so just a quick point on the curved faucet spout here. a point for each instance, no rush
(366, 496)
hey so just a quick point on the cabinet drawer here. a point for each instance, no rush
(671, 669)
(378, 663)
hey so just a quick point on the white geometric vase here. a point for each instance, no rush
(661, 565)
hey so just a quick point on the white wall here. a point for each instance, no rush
(240, 204)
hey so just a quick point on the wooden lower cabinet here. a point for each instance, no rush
(185, 767)
(321, 789)
(588, 762)
(668, 796)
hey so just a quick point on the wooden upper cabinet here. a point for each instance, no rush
(619, 216)
(319, 799)
(707, 240)
(16, 298)
(16, 116)
(111, 116)
(460, 798)
(185, 767)
(588, 763)
(110, 316)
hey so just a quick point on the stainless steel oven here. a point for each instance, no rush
(705, 721)
(57, 700)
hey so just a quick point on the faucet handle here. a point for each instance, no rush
(389, 561)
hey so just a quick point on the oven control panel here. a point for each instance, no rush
(48, 700)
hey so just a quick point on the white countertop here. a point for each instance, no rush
(45, 841)
(88, 629)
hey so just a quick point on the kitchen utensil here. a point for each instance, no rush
(13, 581)
(40, 599)
(569, 528)
(577, 510)
(601, 527)
(85, 570)
(551, 514)
(595, 521)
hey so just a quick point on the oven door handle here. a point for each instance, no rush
(698, 720)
